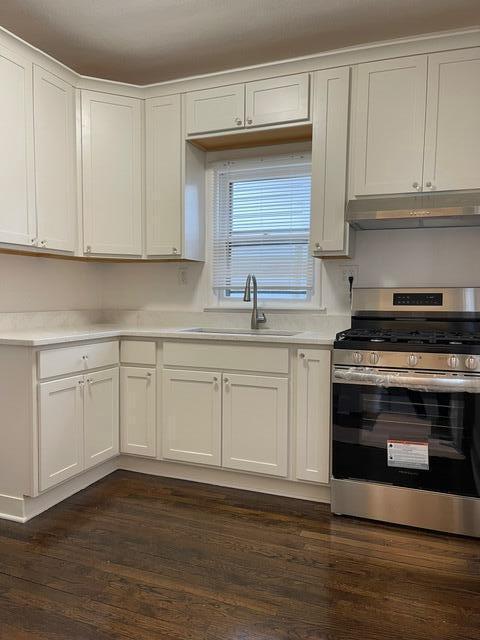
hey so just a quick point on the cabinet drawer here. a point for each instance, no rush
(60, 362)
(219, 356)
(138, 352)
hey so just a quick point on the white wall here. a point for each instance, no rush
(415, 257)
(42, 284)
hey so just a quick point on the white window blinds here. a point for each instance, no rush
(261, 226)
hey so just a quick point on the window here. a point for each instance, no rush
(261, 225)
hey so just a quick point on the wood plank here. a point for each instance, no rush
(136, 556)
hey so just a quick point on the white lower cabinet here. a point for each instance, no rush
(192, 416)
(101, 425)
(138, 411)
(255, 423)
(60, 430)
(78, 425)
(312, 395)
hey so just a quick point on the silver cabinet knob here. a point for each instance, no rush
(429, 185)
(249, 121)
(174, 250)
(238, 122)
(412, 360)
(453, 362)
(84, 357)
(88, 249)
(81, 382)
(43, 243)
(149, 374)
(301, 355)
(318, 246)
(471, 362)
(416, 186)
(215, 379)
(357, 357)
(374, 357)
(34, 241)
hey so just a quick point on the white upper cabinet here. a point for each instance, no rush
(218, 109)
(192, 416)
(389, 126)
(112, 174)
(255, 423)
(452, 139)
(17, 189)
(54, 117)
(164, 176)
(312, 399)
(329, 235)
(101, 419)
(277, 100)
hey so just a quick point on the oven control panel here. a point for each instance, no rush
(417, 299)
(405, 360)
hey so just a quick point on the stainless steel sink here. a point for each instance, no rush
(247, 332)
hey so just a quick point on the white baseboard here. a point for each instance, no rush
(231, 479)
(23, 508)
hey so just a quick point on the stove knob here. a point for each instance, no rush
(453, 362)
(471, 362)
(374, 357)
(412, 360)
(357, 357)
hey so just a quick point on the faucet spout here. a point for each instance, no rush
(258, 317)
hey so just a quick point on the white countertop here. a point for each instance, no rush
(43, 337)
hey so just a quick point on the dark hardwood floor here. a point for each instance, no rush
(147, 558)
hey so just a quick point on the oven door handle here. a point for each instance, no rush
(404, 380)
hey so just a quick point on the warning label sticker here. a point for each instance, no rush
(407, 454)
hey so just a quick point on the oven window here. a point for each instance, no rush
(433, 438)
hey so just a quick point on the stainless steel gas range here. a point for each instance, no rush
(406, 409)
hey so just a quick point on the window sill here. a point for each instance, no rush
(248, 309)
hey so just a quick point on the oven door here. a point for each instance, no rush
(407, 428)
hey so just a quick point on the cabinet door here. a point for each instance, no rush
(388, 126)
(17, 189)
(452, 138)
(60, 430)
(54, 117)
(277, 100)
(192, 416)
(217, 109)
(255, 423)
(329, 162)
(138, 411)
(164, 181)
(312, 398)
(101, 427)
(112, 174)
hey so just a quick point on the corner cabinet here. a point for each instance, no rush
(330, 235)
(112, 174)
(17, 185)
(312, 412)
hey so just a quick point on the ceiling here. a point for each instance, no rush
(145, 41)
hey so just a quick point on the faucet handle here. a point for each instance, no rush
(261, 318)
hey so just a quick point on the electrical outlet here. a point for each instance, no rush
(182, 276)
(350, 271)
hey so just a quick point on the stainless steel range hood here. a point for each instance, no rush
(452, 209)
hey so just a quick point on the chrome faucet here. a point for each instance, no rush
(258, 317)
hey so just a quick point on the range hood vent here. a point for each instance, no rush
(452, 209)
